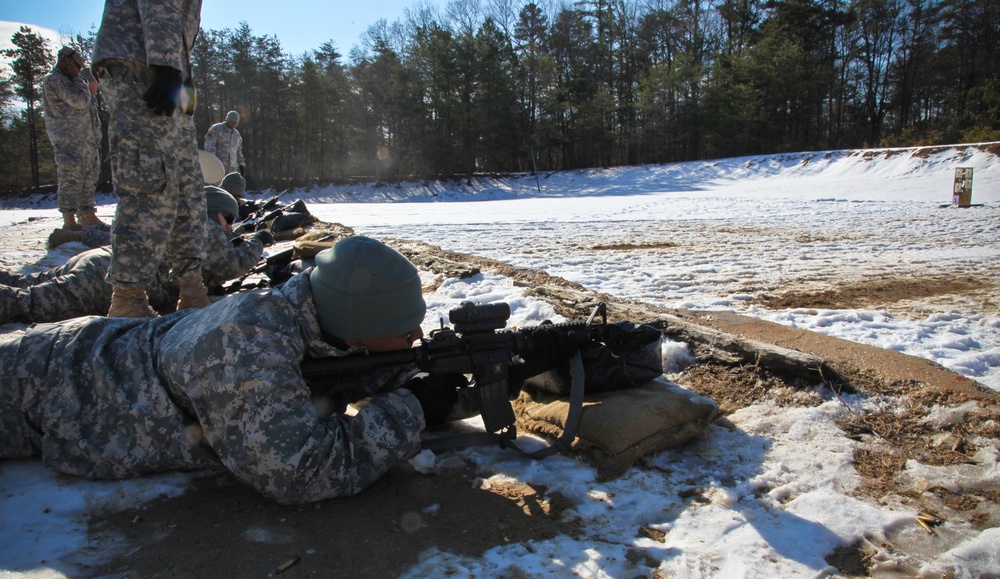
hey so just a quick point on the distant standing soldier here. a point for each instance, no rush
(225, 142)
(67, 100)
(142, 57)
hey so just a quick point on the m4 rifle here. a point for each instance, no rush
(478, 344)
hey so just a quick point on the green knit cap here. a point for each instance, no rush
(365, 290)
(220, 201)
(235, 184)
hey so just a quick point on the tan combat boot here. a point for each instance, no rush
(69, 221)
(193, 291)
(130, 302)
(91, 220)
(61, 236)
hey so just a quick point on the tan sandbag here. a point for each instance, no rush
(322, 236)
(620, 427)
(309, 249)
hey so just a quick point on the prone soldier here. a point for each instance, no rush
(222, 387)
(78, 287)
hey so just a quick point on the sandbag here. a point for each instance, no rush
(619, 427)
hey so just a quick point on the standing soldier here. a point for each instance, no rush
(142, 57)
(67, 101)
(225, 142)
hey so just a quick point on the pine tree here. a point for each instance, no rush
(31, 61)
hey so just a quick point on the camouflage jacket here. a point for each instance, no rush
(151, 32)
(226, 144)
(225, 261)
(95, 123)
(218, 386)
(67, 110)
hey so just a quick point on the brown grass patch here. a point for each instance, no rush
(956, 501)
(993, 148)
(925, 152)
(905, 428)
(631, 246)
(875, 293)
(735, 387)
(892, 436)
(878, 470)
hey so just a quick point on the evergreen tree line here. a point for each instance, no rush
(487, 86)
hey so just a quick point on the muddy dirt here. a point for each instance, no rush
(222, 529)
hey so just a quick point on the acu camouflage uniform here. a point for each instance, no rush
(227, 145)
(70, 127)
(78, 287)
(93, 161)
(154, 158)
(93, 237)
(212, 387)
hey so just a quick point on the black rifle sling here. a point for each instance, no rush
(506, 439)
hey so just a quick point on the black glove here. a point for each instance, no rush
(437, 393)
(242, 169)
(161, 96)
(265, 237)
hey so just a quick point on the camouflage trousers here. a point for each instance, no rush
(154, 161)
(75, 172)
(73, 290)
(22, 388)
(68, 291)
(94, 238)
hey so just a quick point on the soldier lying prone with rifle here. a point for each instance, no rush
(223, 387)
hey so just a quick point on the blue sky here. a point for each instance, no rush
(300, 25)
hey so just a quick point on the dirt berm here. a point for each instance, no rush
(727, 337)
(847, 358)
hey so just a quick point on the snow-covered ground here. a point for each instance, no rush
(703, 235)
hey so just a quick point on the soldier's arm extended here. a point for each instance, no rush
(224, 261)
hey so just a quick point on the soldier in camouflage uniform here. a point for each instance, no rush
(222, 386)
(67, 100)
(78, 287)
(142, 58)
(226, 143)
